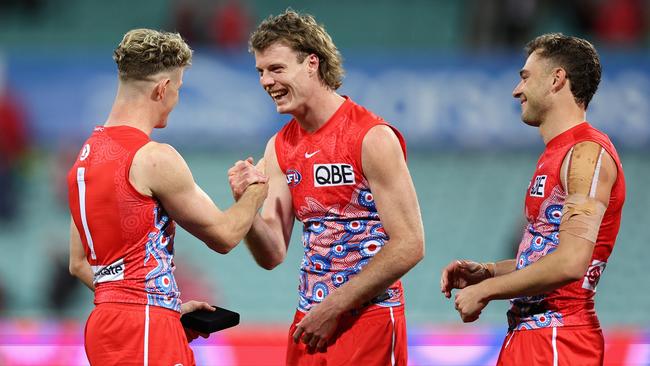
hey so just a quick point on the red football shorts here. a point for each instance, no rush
(571, 346)
(131, 334)
(373, 338)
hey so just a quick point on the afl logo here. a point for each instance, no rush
(293, 177)
(85, 151)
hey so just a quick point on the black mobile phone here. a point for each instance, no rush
(205, 321)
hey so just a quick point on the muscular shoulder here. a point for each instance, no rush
(588, 162)
(155, 164)
(380, 135)
(157, 154)
(381, 149)
(380, 139)
(155, 159)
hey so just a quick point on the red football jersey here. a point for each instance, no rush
(342, 230)
(128, 237)
(572, 304)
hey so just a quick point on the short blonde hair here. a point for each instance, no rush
(146, 52)
(305, 36)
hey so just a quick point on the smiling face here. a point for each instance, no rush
(534, 89)
(289, 82)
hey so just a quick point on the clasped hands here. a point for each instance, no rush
(467, 277)
(244, 174)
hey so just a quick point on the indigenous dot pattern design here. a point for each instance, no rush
(160, 284)
(540, 238)
(338, 245)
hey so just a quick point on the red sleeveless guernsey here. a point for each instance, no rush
(572, 304)
(342, 230)
(128, 237)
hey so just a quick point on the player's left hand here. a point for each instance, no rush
(470, 301)
(188, 307)
(316, 328)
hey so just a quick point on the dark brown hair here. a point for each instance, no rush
(576, 56)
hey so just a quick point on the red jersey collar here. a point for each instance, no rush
(340, 112)
(568, 134)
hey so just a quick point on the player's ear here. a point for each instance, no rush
(160, 89)
(559, 79)
(313, 62)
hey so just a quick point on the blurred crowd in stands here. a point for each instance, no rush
(489, 24)
(510, 23)
(482, 24)
(14, 143)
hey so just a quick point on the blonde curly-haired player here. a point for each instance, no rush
(125, 193)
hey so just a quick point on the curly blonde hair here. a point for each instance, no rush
(146, 52)
(305, 36)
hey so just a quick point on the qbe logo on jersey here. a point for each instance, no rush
(330, 175)
(537, 188)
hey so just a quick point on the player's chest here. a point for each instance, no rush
(320, 169)
(545, 186)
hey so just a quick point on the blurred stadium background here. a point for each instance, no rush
(441, 71)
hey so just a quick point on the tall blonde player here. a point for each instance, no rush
(341, 171)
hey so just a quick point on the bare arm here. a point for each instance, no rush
(504, 267)
(78, 265)
(159, 171)
(268, 238)
(461, 273)
(390, 181)
(569, 262)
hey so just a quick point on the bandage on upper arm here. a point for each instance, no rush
(582, 212)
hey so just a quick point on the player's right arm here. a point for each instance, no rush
(461, 273)
(159, 171)
(78, 264)
(268, 238)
